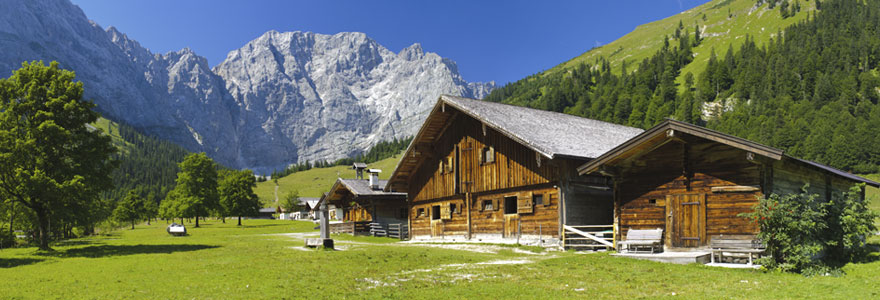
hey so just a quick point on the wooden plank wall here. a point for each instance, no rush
(515, 165)
(514, 171)
(647, 181)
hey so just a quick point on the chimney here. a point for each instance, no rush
(359, 168)
(374, 178)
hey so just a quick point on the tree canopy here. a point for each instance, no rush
(196, 192)
(51, 161)
(237, 197)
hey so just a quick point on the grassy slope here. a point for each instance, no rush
(252, 262)
(718, 32)
(314, 182)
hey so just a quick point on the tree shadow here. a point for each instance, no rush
(15, 262)
(118, 250)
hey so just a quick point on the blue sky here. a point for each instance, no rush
(502, 40)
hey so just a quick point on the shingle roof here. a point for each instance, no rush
(310, 201)
(361, 187)
(550, 133)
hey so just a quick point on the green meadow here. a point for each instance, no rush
(266, 259)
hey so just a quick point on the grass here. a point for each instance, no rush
(719, 31)
(255, 261)
(314, 182)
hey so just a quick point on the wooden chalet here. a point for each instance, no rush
(364, 201)
(693, 182)
(481, 171)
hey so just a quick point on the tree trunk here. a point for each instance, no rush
(197, 221)
(43, 224)
(12, 220)
(239, 220)
(223, 219)
(132, 224)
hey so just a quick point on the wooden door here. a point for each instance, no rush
(511, 225)
(686, 220)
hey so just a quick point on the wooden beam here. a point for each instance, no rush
(735, 189)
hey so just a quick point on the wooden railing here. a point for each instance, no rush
(398, 231)
(353, 228)
(588, 236)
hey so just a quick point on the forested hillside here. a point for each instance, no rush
(146, 163)
(812, 89)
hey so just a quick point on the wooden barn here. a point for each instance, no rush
(366, 205)
(693, 182)
(485, 171)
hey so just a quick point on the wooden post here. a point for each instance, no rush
(467, 203)
(615, 230)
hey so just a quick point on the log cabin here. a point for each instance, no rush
(365, 201)
(693, 182)
(485, 171)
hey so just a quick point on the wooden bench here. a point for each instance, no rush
(642, 238)
(744, 245)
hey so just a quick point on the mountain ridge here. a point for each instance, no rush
(328, 103)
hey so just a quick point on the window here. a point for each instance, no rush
(420, 213)
(487, 155)
(510, 205)
(487, 205)
(435, 212)
(449, 164)
(454, 208)
(538, 199)
(652, 201)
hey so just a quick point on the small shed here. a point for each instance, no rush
(365, 201)
(693, 182)
(267, 213)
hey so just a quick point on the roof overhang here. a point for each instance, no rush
(666, 131)
(669, 129)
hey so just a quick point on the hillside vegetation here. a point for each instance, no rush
(146, 163)
(810, 89)
(722, 24)
(316, 181)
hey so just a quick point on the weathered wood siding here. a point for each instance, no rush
(516, 170)
(790, 176)
(515, 165)
(690, 168)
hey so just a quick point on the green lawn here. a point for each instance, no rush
(314, 182)
(258, 261)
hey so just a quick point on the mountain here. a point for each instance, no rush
(331, 96)
(799, 76)
(280, 99)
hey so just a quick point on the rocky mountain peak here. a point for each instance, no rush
(282, 98)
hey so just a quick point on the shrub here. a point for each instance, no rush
(810, 235)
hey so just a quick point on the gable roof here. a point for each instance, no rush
(552, 134)
(658, 133)
(360, 188)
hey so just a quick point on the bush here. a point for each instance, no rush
(806, 234)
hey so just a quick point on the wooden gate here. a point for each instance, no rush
(686, 220)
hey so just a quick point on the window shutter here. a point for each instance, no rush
(490, 155)
(524, 203)
(445, 212)
(497, 205)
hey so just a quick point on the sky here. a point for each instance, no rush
(489, 40)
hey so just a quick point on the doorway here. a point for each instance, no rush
(686, 220)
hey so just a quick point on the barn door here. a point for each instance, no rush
(511, 224)
(686, 220)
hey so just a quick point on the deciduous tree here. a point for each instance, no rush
(51, 161)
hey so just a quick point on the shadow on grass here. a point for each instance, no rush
(15, 262)
(117, 250)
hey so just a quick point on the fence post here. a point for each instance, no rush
(540, 235)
